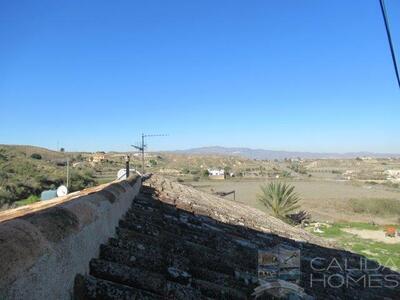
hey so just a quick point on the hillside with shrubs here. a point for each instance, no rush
(26, 171)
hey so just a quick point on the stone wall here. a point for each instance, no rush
(42, 248)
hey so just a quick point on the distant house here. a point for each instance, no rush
(97, 157)
(169, 171)
(364, 158)
(348, 174)
(216, 174)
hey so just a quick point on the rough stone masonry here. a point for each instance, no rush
(178, 243)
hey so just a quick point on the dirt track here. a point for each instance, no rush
(376, 235)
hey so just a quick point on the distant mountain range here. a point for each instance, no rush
(272, 154)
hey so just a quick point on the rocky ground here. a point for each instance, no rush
(178, 243)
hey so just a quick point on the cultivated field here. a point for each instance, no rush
(326, 200)
(353, 215)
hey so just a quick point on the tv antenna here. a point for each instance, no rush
(143, 146)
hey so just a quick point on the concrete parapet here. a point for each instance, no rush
(43, 246)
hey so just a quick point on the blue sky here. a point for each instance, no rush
(306, 75)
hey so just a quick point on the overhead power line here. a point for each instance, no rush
(385, 18)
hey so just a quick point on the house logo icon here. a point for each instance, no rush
(279, 273)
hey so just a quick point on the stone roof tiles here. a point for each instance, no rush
(178, 243)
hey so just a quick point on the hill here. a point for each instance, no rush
(273, 154)
(27, 170)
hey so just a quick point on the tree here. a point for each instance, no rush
(280, 198)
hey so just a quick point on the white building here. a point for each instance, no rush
(216, 173)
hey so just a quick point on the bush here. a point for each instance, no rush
(180, 180)
(36, 156)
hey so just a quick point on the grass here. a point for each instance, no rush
(385, 254)
(376, 206)
(31, 199)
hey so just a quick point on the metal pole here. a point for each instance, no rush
(127, 158)
(142, 153)
(67, 173)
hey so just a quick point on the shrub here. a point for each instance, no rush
(279, 198)
(3, 156)
(36, 156)
(180, 180)
(299, 217)
(79, 181)
(5, 197)
(298, 168)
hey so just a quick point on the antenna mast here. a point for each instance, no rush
(143, 146)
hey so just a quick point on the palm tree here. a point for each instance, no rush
(280, 198)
